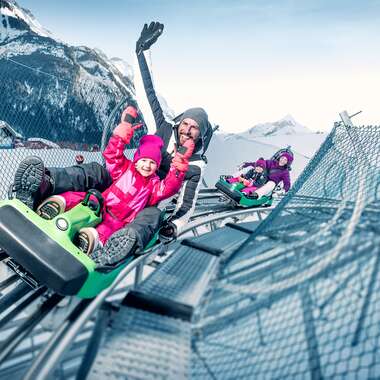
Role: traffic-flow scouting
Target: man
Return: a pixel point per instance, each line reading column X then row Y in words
column 33, row 182
column 193, row 124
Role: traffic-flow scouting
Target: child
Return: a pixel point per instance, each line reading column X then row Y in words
column 134, row 185
column 278, row 171
column 254, row 178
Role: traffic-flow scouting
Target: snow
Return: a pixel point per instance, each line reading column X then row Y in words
column 117, row 78
column 16, row 48
column 6, row 31
column 44, row 141
column 89, row 64
column 304, row 144
column 123, row 67
column 27, row 17
column 227, row 152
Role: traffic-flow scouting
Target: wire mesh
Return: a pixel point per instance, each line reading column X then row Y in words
column 300, row 298
column 55, row 117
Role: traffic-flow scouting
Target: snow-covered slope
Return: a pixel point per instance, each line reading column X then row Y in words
column 224, row 155
column 304, row 144
column 227, row 151
column 17, row 20
column 124, row 67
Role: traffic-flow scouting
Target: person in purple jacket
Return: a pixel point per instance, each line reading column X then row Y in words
column 278, row 171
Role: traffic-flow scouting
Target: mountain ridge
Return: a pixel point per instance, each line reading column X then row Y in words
column 285, row 126
column 73, row 88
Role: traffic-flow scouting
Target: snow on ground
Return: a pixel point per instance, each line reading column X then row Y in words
column 304, row 144
column 225, row 153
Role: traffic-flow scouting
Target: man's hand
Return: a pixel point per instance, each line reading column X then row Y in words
column 149, row 36
column 129, row 115
column 182, row 154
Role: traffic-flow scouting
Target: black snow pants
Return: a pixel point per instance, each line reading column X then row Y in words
column 79, row 178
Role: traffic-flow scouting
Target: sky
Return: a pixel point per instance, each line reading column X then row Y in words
column 244, row 61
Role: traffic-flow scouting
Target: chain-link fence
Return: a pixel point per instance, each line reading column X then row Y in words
column 301, row 297
column 54, row 117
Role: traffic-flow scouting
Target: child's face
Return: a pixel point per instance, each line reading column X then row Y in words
column 146, row 166
column 282, row 161
column 259, row 169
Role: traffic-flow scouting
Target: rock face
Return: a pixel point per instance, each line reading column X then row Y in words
column 52, row 90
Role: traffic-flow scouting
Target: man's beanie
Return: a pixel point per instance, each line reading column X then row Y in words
column 199, row 115
column 150, row 147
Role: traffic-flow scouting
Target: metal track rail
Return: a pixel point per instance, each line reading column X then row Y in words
column 9, row 281
column 14, row 295
column 62, row 339
column 49, row 357
column 22, row 306
column 11, row 343
column 224, row 215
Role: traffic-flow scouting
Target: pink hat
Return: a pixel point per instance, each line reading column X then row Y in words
column 150, row 147
column 288, row 156
column 261, row 163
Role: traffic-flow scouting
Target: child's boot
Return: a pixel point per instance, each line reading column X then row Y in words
column 31, row 181
column 51, row 207
column 88, row 240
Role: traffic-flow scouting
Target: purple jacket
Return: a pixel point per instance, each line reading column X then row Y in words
column 278, row 173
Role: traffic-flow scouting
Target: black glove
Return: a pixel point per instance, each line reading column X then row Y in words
column 168, row 231
column 149, row 36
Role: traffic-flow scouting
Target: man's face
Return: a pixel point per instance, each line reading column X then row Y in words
column 188, row 129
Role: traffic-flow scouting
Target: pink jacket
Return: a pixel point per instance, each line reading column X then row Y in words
column 130, row 192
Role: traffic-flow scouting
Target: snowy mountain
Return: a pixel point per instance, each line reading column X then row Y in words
column 284, row 126
column 17, row 21
column 51, row 89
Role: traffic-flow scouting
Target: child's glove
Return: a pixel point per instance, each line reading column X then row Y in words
column 182, row 154
column 126, row 128
column 246, row 182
